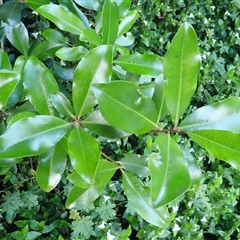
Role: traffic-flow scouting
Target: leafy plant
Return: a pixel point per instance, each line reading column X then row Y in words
column 64, row 116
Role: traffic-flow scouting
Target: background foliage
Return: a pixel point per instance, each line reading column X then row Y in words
column 210, row 211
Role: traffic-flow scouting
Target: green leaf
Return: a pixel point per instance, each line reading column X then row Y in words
column 54, row 36
column 90, row 35
column 77, row 180
column 169, row 171
column 75, row 10
column 35, row 4
column 32, row 136
column 136, row 164
column 62, row 104
column 8, row 83
column 39, row 84
column 81, row 198
column 18, row 37
column 62, row 18
column 95, row 67
column 181, row 67
column 223, row 115
column 20, row 116
column 104, row 173
column 71, row 54
column 93, row 4
column 84, row 153
column 106, row 210
column 97, row 124
column 126, row 40
column 127, row 22
column 123, row 106
column 10, row 12
column 4, row 61
column 110, row 20
column 140, row 200
column 146, row 64
column 123, row 6
column 51, row 167
column 223, row 145
column 158, row 97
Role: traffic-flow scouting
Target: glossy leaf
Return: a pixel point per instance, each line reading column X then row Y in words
column 93, row 4
column 10, row 12
column 181, row 67
column 140, row 200
column 51, row 166
column 62, row 18
column 62, row 72
column 62, row 104
column 71, row 54
column 20, row 116
column 39, row 84
column 223, row 115
column 169, row 171
column 84, row 153
column 81, row 198
column 110, row 20
column 136, row 164
column 123, row 106
column 4, row 61
column 146, row 64
column 158, row 97
column 75, row 10
column 123, row 6
column 90, row 35
column 77, row 180
column 18, row 37
column 127, row 22
column 8, row 83
column 35, row 4
column 54, row 36
column 32, row 136
column 95, row 67
column 97, row 124
column 223, row 145
column 126, row 40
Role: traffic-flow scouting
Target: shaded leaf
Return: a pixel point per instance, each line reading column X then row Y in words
column 146, row 64
column 35, row 4
column 54, row 36
column 123, row 106
column 140, row 200
column 10, row 12
column 169, row 171
column 181, row 67
column 95, row 67
column 77, row 180
column 32, row 136
column 91, row 36
column 223, row 115
column 223, row 145
column 93, row 4
column 84, row 153
column 71, row 54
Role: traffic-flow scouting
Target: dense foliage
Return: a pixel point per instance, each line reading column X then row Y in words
column 109, row 122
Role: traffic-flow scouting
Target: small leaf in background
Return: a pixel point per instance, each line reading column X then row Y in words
column 18, row 37
column 51, row 166
column 62, row 18
column 223, row 115
column 138, row 197
column 39, row 84
column 181, row 67
column 95, row 67
column 90, row 35
column 54, row 36
column 93, row 4
column 10, row 12
column 136, row 164
column 81, row 198
column 71, row 54
column 223, row 145
column 97, row 124
column 8, row 83
column 169, row 171
column 127, row 22
column 4, row 61
column 110, row 20
column 123, row 106
column 62, row 104
column 84, row 153
column 32, row 136
column 146, row 64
